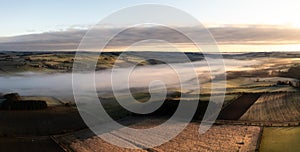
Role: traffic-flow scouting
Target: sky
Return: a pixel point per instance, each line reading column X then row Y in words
column 33, row 18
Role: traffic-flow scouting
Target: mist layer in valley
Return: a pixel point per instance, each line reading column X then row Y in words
column 30, row 81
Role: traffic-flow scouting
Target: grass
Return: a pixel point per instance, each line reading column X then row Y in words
column 249, row 85
column 227, row 98
column 243, row 82
column 280, row 139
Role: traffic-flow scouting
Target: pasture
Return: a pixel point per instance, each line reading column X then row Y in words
column 280, row 139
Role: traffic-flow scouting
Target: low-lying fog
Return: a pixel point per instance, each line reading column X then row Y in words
column 60, row 85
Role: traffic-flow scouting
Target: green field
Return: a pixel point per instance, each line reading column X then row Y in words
column 280, row 139
column 249, row 85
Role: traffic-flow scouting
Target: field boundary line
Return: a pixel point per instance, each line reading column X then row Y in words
column 259, row 140
column 62, row 146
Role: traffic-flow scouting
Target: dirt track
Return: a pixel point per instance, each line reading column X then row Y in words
column 237, row 108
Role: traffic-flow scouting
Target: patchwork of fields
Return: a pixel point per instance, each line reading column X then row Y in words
column 49, row 125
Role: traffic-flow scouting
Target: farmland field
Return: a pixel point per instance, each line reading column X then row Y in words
column 218, row 138
column 280, row 139
column 281, row 107
column 237, row 108
column 250, row 85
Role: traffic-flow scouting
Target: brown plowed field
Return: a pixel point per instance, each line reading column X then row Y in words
column 237, row 108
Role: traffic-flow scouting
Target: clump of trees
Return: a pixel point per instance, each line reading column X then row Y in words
column 293, row 72
column 13, row 101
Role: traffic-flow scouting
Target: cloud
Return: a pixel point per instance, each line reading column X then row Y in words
column 229, row 34
column 256, row 35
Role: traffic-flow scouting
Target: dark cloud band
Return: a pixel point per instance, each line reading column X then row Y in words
column 70, row 39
